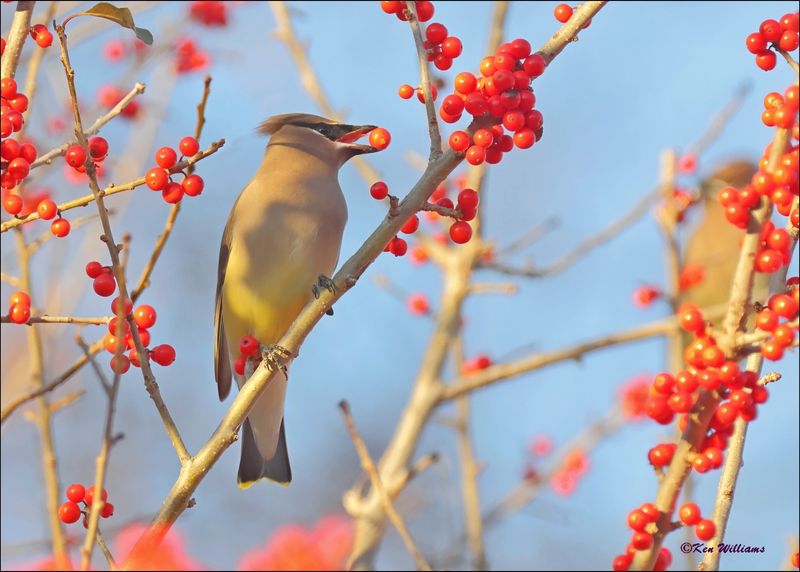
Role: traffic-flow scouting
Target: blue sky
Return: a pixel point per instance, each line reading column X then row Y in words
column 643, row 77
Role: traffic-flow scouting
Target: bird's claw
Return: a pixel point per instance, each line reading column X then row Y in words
column 323, row 282
column 275, row 357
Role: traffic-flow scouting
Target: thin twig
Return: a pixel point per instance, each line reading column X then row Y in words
column 190, row 476
column 44, row 319
column 43, row 416
column 502, row 371
column 310, row 81
column 101, row 542
column 789, row 59
column 32, row 73
column 369, row 466
column 738, row 307
column 47, row 158
column 425, row 81
column 149, row 378
column 12, row 281
column 101, row 376
column 17, row 34
column 113, row 189
column 588, row 244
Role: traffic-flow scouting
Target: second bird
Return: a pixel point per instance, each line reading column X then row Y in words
column 283, row 232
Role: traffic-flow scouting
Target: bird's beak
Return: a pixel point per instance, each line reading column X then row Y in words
column 354, row 133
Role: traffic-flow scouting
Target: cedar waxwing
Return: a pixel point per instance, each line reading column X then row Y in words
column 715, row 242
column 283, row 234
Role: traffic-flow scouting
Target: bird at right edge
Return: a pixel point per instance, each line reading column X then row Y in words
column 280, row 244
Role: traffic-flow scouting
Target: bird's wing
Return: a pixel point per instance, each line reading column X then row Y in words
column 222, row 361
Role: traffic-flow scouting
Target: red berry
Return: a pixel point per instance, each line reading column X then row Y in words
column 398, row 246
column 60, row 227
column 421, row 93
column 8, row 87
column 405, row 91
column 76, row 492
column 622, row 563
column 424, row 10
column 642, row 540
column 460, row 232
column 534, row 65
column 120, row 364
column 248, row 346
column 108, row 508
column 392, row 7
column 770, row 30
column 459, row 141
column 115, row 306
column 436, row 33
column 19, row 313
column 766, row 60
column 12, row 204
column 483, row 137
column 193, row 185
column 783, row 305
column 189, row 146
column 705, row 529
column 755, row 43
column 563, row 13
column 46, row 209
column 465, row 83
column 69, row 512
column 520, row 48
column 41, row 35
column 239, row 364
column 380, row 138
column 98, row 148
column 451, row 47
column 411, row 225
column 172, row 193
column 379, row 190
column 104, row 285
column 418, row 304
column 789, row 41
column 468, row 199
column 166, row 157
column 689, row 514
column 476, row 155
column 145, row 316
column 514, row 120
column 19, row 168
column 790, row 21
column 453, row 105
column 524, row 138
column 90, row 495
column 163, row 355
column 75, row 156
column 637, row 520
column 20, row 297
column 156, row 178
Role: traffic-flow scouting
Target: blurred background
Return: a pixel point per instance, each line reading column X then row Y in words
column 643, row 77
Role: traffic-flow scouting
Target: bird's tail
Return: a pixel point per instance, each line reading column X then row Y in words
column 254, row 467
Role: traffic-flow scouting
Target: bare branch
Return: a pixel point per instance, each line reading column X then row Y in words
column 369, row 466
column 425, row 77
column 17, row 34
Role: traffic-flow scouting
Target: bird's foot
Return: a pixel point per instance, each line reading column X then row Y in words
column 275, row 357
column 323, row 282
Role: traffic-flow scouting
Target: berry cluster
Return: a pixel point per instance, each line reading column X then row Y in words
column 423, row 7
column 773, row 34
column 640, row 520
column 70, row 511
column 109, row 95
column 159, row 178
column 779, row 186
column 19, row 307
column 209, row 13
column 781, row 110
column 769, row 320
column 248, row 347
column 144, row 317
column 188, row 57
column 504, row 93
